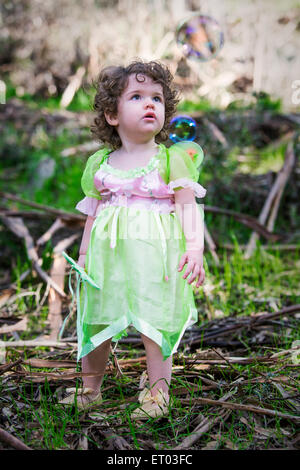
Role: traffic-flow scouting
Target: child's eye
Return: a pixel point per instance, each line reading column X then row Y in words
column 157, row 98
column 135, row 96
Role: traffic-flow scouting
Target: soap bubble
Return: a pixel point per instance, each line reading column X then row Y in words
column 182, row 128
column 200, row 36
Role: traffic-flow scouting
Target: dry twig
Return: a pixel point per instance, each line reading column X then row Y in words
column 12, row 441
column 238, row 406
column 17, row 226
column 273, row 198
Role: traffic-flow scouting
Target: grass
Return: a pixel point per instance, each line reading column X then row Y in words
column 48, row 422
column 240, row 286
column 33, row 414
column 55, row 427
column 82, row 101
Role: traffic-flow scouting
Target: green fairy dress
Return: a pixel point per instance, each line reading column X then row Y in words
column 135, row 246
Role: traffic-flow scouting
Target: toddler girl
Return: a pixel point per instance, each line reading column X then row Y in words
column 143, row 227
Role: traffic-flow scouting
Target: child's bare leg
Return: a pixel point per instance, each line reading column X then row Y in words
column 96, row 362
column 159, row 371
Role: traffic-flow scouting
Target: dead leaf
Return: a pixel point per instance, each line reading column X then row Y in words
column 230, row 445
column 244, row 421
column 211, row 445
column 5, row 295
column 201, row 366
column 46, row 363
column 143, row 380
column 265, row 432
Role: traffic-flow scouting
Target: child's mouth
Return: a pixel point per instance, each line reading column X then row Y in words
column 149, row 117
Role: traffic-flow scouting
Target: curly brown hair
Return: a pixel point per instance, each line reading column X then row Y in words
column 111, row 83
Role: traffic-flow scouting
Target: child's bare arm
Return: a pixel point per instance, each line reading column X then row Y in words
column 85, row 240
column 193, row 227
column 86, row 235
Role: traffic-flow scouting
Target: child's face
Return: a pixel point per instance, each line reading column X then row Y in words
column 141, row 110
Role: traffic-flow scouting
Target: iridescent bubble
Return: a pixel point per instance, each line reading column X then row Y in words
column 182, row 128
column 200, row 36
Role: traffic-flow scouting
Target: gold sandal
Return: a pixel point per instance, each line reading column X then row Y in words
column 83, row 399
column 152, row 407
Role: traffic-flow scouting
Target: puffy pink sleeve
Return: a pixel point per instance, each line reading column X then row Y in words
column 180, row 183
column 185, row 161
column 88, row 206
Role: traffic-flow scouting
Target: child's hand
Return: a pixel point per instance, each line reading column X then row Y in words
column 194, row 260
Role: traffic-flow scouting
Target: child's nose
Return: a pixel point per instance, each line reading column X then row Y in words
column 149, row 103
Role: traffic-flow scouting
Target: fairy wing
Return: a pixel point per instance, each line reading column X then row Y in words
column 80, row 270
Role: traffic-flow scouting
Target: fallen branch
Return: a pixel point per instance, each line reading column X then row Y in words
column 238, row 406
column 34, row 362
column 247, row 323
column 27, row 214
column 12, row 441
column 205, row 425
column 35, row 343
column 63, row 375
column 213, row 334
column 244, row 219
column 273, row 198
column 7, row 367
column 47, row 209
column 283, row 247
column 74, row 85
column 54, row 316
column 19, row 326
column 284, row 311
column 232, row 360
column 17, row 226
column 57, row 225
